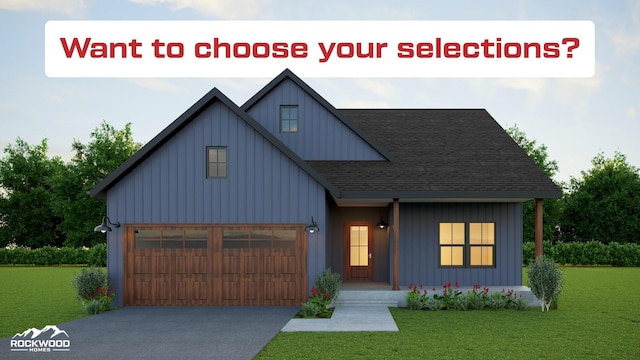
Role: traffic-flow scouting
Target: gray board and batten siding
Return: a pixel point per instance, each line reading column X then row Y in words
column 419, row 243
column 170, row 186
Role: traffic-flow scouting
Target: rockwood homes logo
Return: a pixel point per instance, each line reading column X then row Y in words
column 48, row 339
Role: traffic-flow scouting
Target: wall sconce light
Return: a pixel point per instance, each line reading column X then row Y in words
column 313, row 227
column 104, row 227
column 382, row 224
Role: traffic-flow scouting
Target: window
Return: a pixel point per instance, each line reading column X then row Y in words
column 258, row 239
column 463, row 245
column 216, row 162
column 288, row 118
column 481, row 244
column 170, row 238
column 451, row 244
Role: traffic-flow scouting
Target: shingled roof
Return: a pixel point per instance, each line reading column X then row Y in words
column 440, row 154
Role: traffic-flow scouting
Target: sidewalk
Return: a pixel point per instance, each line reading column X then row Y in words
column 347, row 318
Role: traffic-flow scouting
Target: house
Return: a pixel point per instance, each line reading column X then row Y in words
column 215, row 209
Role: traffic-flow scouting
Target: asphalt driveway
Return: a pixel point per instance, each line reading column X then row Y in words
column 167, row 333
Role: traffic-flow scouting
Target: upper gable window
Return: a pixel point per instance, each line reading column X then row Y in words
column 216, row 162
column 289, row 118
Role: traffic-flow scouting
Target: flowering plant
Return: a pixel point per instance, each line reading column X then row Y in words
column 416, row 299
column 99, row 301
column 452, row 298
column 318, row 304
column 447, row 299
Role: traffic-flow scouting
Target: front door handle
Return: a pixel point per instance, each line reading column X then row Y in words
column 369, row 255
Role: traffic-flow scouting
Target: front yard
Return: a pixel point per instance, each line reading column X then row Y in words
column 598, row 317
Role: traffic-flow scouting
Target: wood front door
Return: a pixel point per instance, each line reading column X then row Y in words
column 359, row 252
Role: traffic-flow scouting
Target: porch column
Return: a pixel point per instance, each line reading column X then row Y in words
column 538, row 227
column 396, row 244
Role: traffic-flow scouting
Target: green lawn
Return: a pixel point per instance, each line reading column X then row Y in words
column 598, row 318
column 37, row 296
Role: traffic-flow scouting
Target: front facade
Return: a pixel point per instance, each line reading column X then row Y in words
column 214, row 208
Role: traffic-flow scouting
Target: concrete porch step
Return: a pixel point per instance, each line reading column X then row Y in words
column 369, row 298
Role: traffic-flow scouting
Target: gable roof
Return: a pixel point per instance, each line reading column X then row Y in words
column 288, row 74
column 443, row 154
column 100, row 190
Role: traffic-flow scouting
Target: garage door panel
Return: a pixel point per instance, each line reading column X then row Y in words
column 181, row 264
column 200, row 264
column 161, row 290
column 162, row 264
column 230, row 261
column 288, row 264
column 250, row 264
column 142, row 289
column 141, row 264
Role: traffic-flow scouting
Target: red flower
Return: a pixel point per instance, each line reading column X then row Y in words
column 111, row 288
column 314, row 291
column 457, row 285
column 434, row 289
column 86, row 296
column 425, row 292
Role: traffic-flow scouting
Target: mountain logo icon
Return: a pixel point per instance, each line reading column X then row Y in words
column 33, row 333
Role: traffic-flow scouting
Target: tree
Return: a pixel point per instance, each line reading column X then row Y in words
column 551, row 207
column 92, row 162
column 26, row 196
column 604, row 204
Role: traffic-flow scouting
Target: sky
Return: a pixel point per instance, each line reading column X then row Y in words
column 576, row 118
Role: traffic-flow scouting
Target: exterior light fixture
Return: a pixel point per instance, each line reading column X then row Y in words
column 313, row 227
column 104, row 227
column 382, row 224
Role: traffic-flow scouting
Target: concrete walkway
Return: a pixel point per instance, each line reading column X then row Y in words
column 348, row 318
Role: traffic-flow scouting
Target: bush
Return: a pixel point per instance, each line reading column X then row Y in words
column 545, row 280
column 309, row 309
column 47, row 255
column 92, row 291
column 588, row 253
column 328, row 280
column 89, row 281
column 97, row 255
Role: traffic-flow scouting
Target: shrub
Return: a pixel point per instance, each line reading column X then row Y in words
column 588, row 253
column 89, row 281
column 97, row 255
column 309, row 309
column 47, row 255
column 545, row 280
column 329, row 281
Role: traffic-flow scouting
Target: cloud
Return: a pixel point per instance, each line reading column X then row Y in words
column 626, row 38
column 536, row 87
column 228, row 9
column 61, row 6
column 631, row 112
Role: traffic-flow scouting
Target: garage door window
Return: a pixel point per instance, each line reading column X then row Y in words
column 258, row 239
column 170, row 239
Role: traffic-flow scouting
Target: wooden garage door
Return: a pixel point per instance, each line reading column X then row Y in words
column 215, row 265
